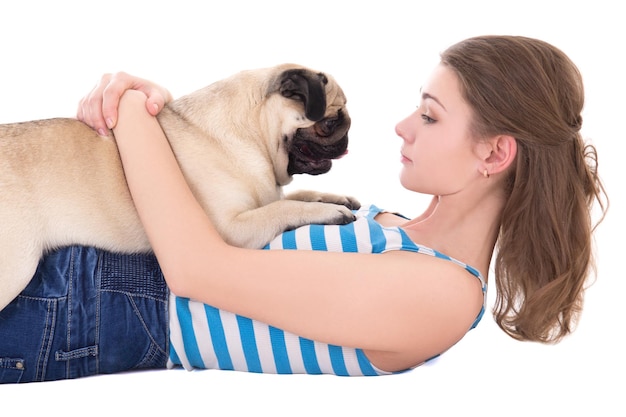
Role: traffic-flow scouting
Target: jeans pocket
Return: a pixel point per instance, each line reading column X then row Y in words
column 11, row 370
column 27, row 329
column 133, row 333
column 154, row 358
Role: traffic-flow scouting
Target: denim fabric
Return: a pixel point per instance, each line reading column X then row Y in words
column 86, row 312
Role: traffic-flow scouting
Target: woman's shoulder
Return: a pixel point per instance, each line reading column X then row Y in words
column 440, row 303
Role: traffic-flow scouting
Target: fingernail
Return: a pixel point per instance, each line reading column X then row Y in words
column 156, row 107
column 102, row 132
column 109, row 123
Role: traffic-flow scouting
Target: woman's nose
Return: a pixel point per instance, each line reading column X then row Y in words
column 405, row 129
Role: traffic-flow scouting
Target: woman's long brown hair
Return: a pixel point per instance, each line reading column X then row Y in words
column 531, row 90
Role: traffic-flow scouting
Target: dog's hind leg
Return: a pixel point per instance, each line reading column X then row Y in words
column 18, row 263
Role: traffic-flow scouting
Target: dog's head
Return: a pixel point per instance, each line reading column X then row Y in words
column 322, row 134
column 298, row 116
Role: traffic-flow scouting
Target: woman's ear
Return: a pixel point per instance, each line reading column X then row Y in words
column 498, row 153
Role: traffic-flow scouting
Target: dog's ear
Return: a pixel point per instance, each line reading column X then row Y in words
column 308, row 87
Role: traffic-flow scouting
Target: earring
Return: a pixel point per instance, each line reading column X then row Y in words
column 485, row 173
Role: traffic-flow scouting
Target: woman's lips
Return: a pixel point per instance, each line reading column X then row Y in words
column 404, row 159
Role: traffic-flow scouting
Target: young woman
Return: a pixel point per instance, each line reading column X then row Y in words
column 495, row 140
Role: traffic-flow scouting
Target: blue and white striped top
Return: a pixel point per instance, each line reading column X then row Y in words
column 205, row 337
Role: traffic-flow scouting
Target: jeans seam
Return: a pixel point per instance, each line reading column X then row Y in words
column 43, row 344
column 46, row 346
column 70, row 306
column 30, row 297
column 98, row 285
column 134, row 295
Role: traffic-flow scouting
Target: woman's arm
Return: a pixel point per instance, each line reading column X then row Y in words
column 399, row 306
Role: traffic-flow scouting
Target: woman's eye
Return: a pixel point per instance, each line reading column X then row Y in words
column 428, row 119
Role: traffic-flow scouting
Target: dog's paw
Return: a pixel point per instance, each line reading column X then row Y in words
column 337, row 214
column 346, row 201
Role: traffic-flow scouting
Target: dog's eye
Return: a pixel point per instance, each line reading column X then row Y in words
column 327, row 126
column 331, row 123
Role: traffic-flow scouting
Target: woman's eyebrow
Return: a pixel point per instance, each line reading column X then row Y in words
column 435, row 99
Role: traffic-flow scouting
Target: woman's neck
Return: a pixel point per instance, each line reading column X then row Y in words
column 460, row 227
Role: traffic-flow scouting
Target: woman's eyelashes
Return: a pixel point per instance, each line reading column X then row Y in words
column 427, row 119
column 423, row 111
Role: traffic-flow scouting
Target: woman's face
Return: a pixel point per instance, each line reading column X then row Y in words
column 437, row 150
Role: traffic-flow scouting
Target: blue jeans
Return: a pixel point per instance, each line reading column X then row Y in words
column 86, row 312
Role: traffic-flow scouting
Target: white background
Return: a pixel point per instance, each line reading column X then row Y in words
column 52, row 53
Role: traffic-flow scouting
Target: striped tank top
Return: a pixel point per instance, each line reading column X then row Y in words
column 204, row 337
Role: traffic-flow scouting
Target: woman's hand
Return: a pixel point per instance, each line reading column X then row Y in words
column 99, row 108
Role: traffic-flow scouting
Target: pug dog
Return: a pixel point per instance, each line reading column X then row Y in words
column 238, row 141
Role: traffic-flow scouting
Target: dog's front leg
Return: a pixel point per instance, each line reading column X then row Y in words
column 316, row 196
column 257, row 227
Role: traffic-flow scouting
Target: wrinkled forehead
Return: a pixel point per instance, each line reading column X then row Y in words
column 334, row 93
